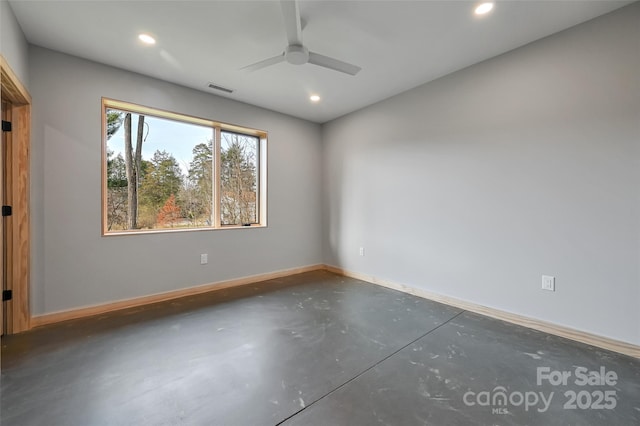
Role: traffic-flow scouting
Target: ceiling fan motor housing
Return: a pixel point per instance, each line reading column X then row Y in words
column 296, row 54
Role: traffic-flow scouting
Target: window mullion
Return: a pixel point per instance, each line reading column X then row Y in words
column 216, row 177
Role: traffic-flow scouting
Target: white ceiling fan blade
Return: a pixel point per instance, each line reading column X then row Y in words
column 334, row 64
column 263, row 64
column 292, row 25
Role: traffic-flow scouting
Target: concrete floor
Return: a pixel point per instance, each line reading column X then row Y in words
column 311, row 349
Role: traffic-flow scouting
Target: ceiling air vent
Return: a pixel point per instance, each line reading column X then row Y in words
column 222, row 89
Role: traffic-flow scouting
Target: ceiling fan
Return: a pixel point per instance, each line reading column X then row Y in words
column 296, row 53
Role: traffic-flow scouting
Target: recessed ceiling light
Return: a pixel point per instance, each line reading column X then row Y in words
column 484, row 8
column 314, row 98
column 147, row 39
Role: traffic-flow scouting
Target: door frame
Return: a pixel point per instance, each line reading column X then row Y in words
column 13, row 91
column 6, row 112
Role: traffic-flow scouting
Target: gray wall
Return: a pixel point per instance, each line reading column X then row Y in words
column 478, row 183
column 74, row 266
column 471, row 186
column 13, row 45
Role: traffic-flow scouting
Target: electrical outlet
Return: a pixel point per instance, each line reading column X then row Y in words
column 204, row 259
column 361, row 251
column 548, row 283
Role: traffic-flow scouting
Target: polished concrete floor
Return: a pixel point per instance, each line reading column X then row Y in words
column 311, row 349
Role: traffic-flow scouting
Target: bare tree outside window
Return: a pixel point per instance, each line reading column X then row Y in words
column 238, row 179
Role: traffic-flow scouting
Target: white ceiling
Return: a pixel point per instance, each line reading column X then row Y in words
column 398, row 44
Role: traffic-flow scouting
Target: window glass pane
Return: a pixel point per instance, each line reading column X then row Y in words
column 238, row 178
column 168, row 171
column 159, row 173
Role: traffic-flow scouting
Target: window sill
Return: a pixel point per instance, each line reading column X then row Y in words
column 170, row 230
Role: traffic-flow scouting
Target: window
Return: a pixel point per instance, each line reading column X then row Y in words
column 166, row 171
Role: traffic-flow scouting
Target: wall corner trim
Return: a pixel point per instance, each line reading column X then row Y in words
column 535, row 324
